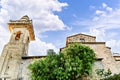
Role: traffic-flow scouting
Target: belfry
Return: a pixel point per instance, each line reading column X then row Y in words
column 21, row 34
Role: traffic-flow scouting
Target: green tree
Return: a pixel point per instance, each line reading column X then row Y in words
column 73, row 62
column 80, row 59
column 103, row 74
column 50, row 52
column 113, row 77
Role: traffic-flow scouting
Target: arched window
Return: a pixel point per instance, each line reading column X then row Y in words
column 82, row 40
column 17, row 37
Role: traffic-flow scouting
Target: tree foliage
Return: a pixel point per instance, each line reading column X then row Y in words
column 73, row 62
column 114, row 77
column 103, row 74
column 50, row 52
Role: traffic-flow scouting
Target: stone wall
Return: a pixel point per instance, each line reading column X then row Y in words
column 100, row 49
column 79, row 37
column 10, row 60
column 108, row 60
column 24, row 72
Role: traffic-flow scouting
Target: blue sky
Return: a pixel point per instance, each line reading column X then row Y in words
column 54, row 20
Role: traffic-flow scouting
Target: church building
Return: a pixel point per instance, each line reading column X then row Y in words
column 105, row 59
column 14, row 59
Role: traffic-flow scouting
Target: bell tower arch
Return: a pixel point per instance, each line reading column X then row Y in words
column 21, row 34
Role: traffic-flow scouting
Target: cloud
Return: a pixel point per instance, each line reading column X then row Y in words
column 115, row 44
column 42, row 14
column 99, row 12
column 3, row 37
column 40, row 48
column 103, row 25
column 104, row 5
column 106, row 20
column 99, row 33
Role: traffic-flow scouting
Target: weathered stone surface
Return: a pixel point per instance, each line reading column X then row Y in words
column 13, row 66
column 108, row 60
column 81, row 37
column 11, row 57
column 24, row 72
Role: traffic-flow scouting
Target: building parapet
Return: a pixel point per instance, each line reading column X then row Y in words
column 32, row 57
column 117, row 57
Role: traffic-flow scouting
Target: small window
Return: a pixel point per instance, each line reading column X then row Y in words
column 82, row 40
column 28, row 39
column 20, row 79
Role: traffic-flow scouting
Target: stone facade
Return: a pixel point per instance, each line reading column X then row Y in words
column 14, row 59
column 80, row 38
column 108, row 61
column 24, row 73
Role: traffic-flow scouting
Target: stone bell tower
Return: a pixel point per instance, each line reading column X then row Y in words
column 21, row 34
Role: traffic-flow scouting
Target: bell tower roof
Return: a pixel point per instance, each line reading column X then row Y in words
column 24, row 18
column 23, row 22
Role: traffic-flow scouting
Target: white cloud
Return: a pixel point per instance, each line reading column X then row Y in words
column 4, row 34
column 40, row 48
column 104, row 5
column 108, row 21
column 103, row 25
column 99, row 12
column 106, row 10
column 115, row 44
column 40, row 11
column 95, row 18
column 109, row 9
column 99, row 33
column 105, row 21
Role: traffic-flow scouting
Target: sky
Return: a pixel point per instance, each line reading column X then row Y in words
column 54, row 20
